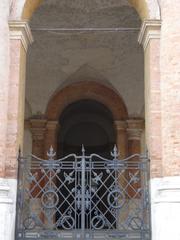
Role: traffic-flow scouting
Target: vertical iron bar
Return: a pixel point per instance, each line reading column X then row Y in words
column 83, row 192
column 75, row 193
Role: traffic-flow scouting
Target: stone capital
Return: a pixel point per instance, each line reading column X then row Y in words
column 38, row 128
column 150, row 29
column 52, row 125
column 135, row 128
column 120, row 125
column 20, row 30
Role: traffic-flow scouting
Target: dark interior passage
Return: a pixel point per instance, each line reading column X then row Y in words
column 86, row 122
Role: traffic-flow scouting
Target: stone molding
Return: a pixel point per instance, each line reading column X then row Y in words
column 8, row 193
column 135, row 128
column 52, row 125
column 20, row 30
column 120, row 125
column 4, row 192
column 166, row 190
column 150, row 29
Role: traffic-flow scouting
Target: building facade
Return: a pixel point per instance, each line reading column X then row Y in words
column 98, row 73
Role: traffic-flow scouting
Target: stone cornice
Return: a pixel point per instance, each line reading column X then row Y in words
column 20, row 30
column 135, row 128
column 150, row 29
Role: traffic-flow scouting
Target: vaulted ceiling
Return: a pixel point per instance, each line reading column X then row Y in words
column 57, row 57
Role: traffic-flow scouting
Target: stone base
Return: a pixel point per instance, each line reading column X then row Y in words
column 8, row 189
column 165, row 208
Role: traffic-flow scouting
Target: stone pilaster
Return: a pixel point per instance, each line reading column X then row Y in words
column 121, row 138
column 134, row 130
column 20, row 38
column 38, row 130
column 149, row 37
column 15, row 38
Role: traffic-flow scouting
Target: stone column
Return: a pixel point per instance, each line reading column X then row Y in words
column 166, row 190
column 20, row 38
column 121, row 138
column 51, row 136
column 134, row 129
column 13, row 46
column 38, row 130
column 149, row 37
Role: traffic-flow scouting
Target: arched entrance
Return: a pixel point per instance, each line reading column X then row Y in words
column 86, row 122
column 62, row 105
column 30, row 5
column 96, row 106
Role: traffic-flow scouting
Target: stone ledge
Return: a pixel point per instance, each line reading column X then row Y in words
column 165, row 190
column 20, row 30
column 150, row 29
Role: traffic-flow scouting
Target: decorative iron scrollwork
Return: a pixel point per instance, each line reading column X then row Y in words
column 98, row 222
column 79, row 193
column 29, row 223
column 97, row 178
column 136, row 223
column 68, row 222
column 116, row 199
column 68, row 177
column 134, row 178
column 49, row 199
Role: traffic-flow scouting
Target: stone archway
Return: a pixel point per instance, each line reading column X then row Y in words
column 86, row 90
column 142, row 9
column 145, row 8
column 128, row 132
column 150, row 30
column 44, row 131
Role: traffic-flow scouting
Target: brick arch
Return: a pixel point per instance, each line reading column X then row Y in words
column 86, row 90
column 144, row 8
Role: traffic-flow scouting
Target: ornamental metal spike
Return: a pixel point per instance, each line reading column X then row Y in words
column 51, row 153
column 83, row 150
column 115, row 153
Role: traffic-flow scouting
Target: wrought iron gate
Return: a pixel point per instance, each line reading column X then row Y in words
column 83, row 197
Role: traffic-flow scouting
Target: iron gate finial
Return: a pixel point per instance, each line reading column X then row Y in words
column 51, row 153
column 83, row 150
column 115, row 153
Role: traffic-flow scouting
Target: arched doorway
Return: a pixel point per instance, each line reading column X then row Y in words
column 93, row 104
column 86, row 122
column 62, row 105
column 90, row 123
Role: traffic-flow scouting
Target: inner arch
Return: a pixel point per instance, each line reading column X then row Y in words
column 30, row 6
column 86, row 122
